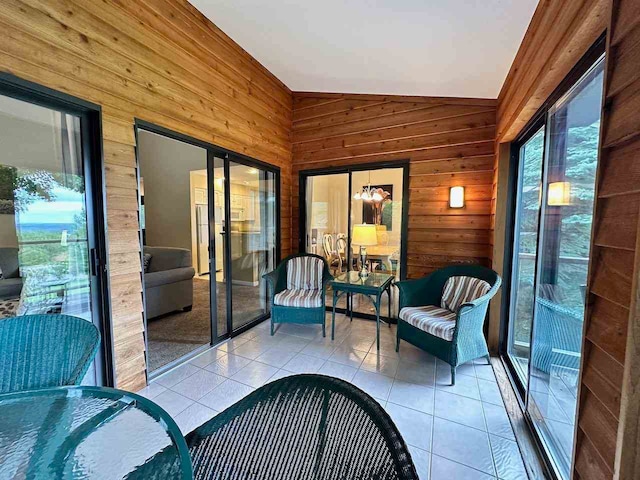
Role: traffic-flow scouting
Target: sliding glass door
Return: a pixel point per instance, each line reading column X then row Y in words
column 50, row 249
column 524, row 259
column 327, row 222
column 252, row 240
column 555, row 195
column 209, row 227
column 332, row 204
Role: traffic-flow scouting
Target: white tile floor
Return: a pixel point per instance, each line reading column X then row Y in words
column 460, row 432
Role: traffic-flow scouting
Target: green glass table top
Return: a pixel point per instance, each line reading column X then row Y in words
column 374, row 281
column 89, row 432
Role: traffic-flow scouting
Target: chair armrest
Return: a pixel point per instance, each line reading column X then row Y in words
column 274, row 279
column 417, row 292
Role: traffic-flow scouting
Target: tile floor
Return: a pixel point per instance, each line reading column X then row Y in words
column 460, row 432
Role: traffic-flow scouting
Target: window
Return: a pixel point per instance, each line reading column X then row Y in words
column 554, row 200
column 50, row 236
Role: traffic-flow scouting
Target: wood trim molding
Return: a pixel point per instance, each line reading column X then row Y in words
column 499, row 238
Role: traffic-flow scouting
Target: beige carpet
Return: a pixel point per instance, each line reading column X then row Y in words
column 176, row 334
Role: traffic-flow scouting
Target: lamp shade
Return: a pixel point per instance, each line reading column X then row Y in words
column 559, row 194
column 364, row 235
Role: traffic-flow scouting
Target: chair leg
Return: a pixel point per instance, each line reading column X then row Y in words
column 397, row 343
column 453, row 376
column 488, row 357
column 272, row 327
column 323, row 331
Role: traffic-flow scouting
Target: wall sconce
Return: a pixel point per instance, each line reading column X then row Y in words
column 559, row 194
column 456, row 197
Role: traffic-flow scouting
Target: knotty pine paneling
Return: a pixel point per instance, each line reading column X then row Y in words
column 609, row 403
column 163, row 62
column 449, row 141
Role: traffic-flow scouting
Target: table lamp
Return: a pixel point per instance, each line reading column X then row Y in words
column 364, row 235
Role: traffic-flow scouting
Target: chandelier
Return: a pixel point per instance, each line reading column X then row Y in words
column 371, row 194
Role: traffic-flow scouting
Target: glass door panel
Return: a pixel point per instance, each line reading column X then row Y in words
column 524, row 257
column 44, row 240
column 386, row 213
column 219, row 267
column 251, row 236
column 563, row 260
column 175, row 232
column 327, row 229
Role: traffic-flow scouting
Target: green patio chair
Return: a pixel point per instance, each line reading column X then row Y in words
column 558, row 336
column 38, row 351
column 444, row 313
column 298, row 428
column 298, row 287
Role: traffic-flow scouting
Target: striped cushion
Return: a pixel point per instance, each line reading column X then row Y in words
column 304, row 273
column 459, row 290
column 299, row 298
column 434, row 320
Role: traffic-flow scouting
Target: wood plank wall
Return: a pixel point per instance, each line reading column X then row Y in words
column 608, row 435
column 449, row 141
column 163, row 62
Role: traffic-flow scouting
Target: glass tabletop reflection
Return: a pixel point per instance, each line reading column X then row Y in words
column 89, row 432
column 353, row 278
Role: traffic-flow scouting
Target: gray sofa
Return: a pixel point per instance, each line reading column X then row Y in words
column 168, row 281
column 10, row 283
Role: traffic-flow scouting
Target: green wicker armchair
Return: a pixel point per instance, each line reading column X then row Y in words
column 301, row 427
column 558, row 334
column 446, row 318
column 38, row 351
column 297, row 288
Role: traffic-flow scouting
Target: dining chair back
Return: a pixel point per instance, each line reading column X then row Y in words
column 38, row 351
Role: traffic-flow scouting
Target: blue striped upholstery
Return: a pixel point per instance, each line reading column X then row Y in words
column 304, row 273
column 299, row 298
column 460, row 289
column 434, row 320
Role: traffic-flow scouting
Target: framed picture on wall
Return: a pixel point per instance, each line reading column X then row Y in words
column 379, row 213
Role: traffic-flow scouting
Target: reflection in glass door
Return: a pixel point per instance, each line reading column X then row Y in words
column 327, row 222
column 48, row 240
column 524, row 258
column 573, row 127
column 552, row 238
column 251, row 239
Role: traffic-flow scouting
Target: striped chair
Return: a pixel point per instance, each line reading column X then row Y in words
column 298, row 290
column 444, row 313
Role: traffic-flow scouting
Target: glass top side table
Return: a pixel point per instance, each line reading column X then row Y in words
column 89, row 432
column 372, row 287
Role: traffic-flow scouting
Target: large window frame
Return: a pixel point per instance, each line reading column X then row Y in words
column 213, row 152
column 90, row 116
column 538, row 121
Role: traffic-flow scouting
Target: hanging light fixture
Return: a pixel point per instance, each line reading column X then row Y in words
column 368, row 194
